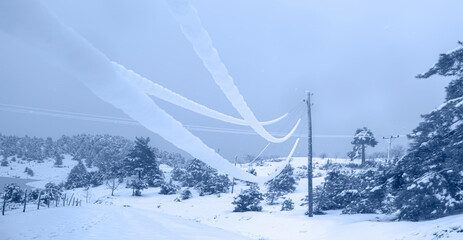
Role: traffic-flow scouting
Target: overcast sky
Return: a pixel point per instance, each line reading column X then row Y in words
column 359, row 58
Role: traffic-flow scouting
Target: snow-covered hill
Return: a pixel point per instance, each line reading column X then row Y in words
column 44, row 172
column 125, row 217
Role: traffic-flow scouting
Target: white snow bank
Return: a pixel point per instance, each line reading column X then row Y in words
column 193, row 30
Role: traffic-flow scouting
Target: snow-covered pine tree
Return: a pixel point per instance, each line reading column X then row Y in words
column 198, row 172
column 141, row 161
column 77, row 177
column 213, row 183
column 283, row 184
column 49, row 148
column 58, row 160
column 248, row 200
column 429, row 178
column 287, row 205
column 363, row 138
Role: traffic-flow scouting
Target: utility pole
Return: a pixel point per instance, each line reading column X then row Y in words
column 389, row 141
column 309, row 155
column 233, row 182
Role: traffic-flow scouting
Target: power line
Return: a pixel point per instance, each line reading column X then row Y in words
column 128, row 121
column 389, row 141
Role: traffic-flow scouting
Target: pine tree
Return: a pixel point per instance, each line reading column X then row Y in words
column 283, row 184
column 248, row 200
column 58, row 160
column 287, row 205
column 363, row 138
column 141, row 161
column 428, row 179
column 48, row 148
column 198, row 172
column 77, row 177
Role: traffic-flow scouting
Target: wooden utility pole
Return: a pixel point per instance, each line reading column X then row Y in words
column 389, row 141
column 309, row 155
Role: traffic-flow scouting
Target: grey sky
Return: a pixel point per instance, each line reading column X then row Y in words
column 358, row 57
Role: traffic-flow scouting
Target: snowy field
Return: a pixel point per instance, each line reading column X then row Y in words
column 155, row 216
column 43, row 172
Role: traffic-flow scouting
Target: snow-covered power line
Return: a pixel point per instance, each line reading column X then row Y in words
column 168, row 95
column 128, row 121
column 30, row 22
column 194, row 31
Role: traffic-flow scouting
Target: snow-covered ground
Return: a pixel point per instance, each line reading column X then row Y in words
column 43, row 172
column 104, row 222
column 155, row 216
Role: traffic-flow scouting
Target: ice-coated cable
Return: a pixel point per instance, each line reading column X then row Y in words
column 193, row 30
column 30, row 22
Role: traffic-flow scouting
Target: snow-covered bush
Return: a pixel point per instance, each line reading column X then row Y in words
column 213, row 184
column 13, row 193
column 29, row 171
column 353, row 192
column 248, row 200
column 186, row 194
column 287, row 205
column 4, row 163
column 52, row 192
column 168, row 189
column 33, row 194
column 201, row 177
column 137, row 185
column 179, row 175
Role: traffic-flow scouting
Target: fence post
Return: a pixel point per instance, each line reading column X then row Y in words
column 4, row 204
column 25, row 200
column 64, row 200
column 70, row 199
column 38, row 202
